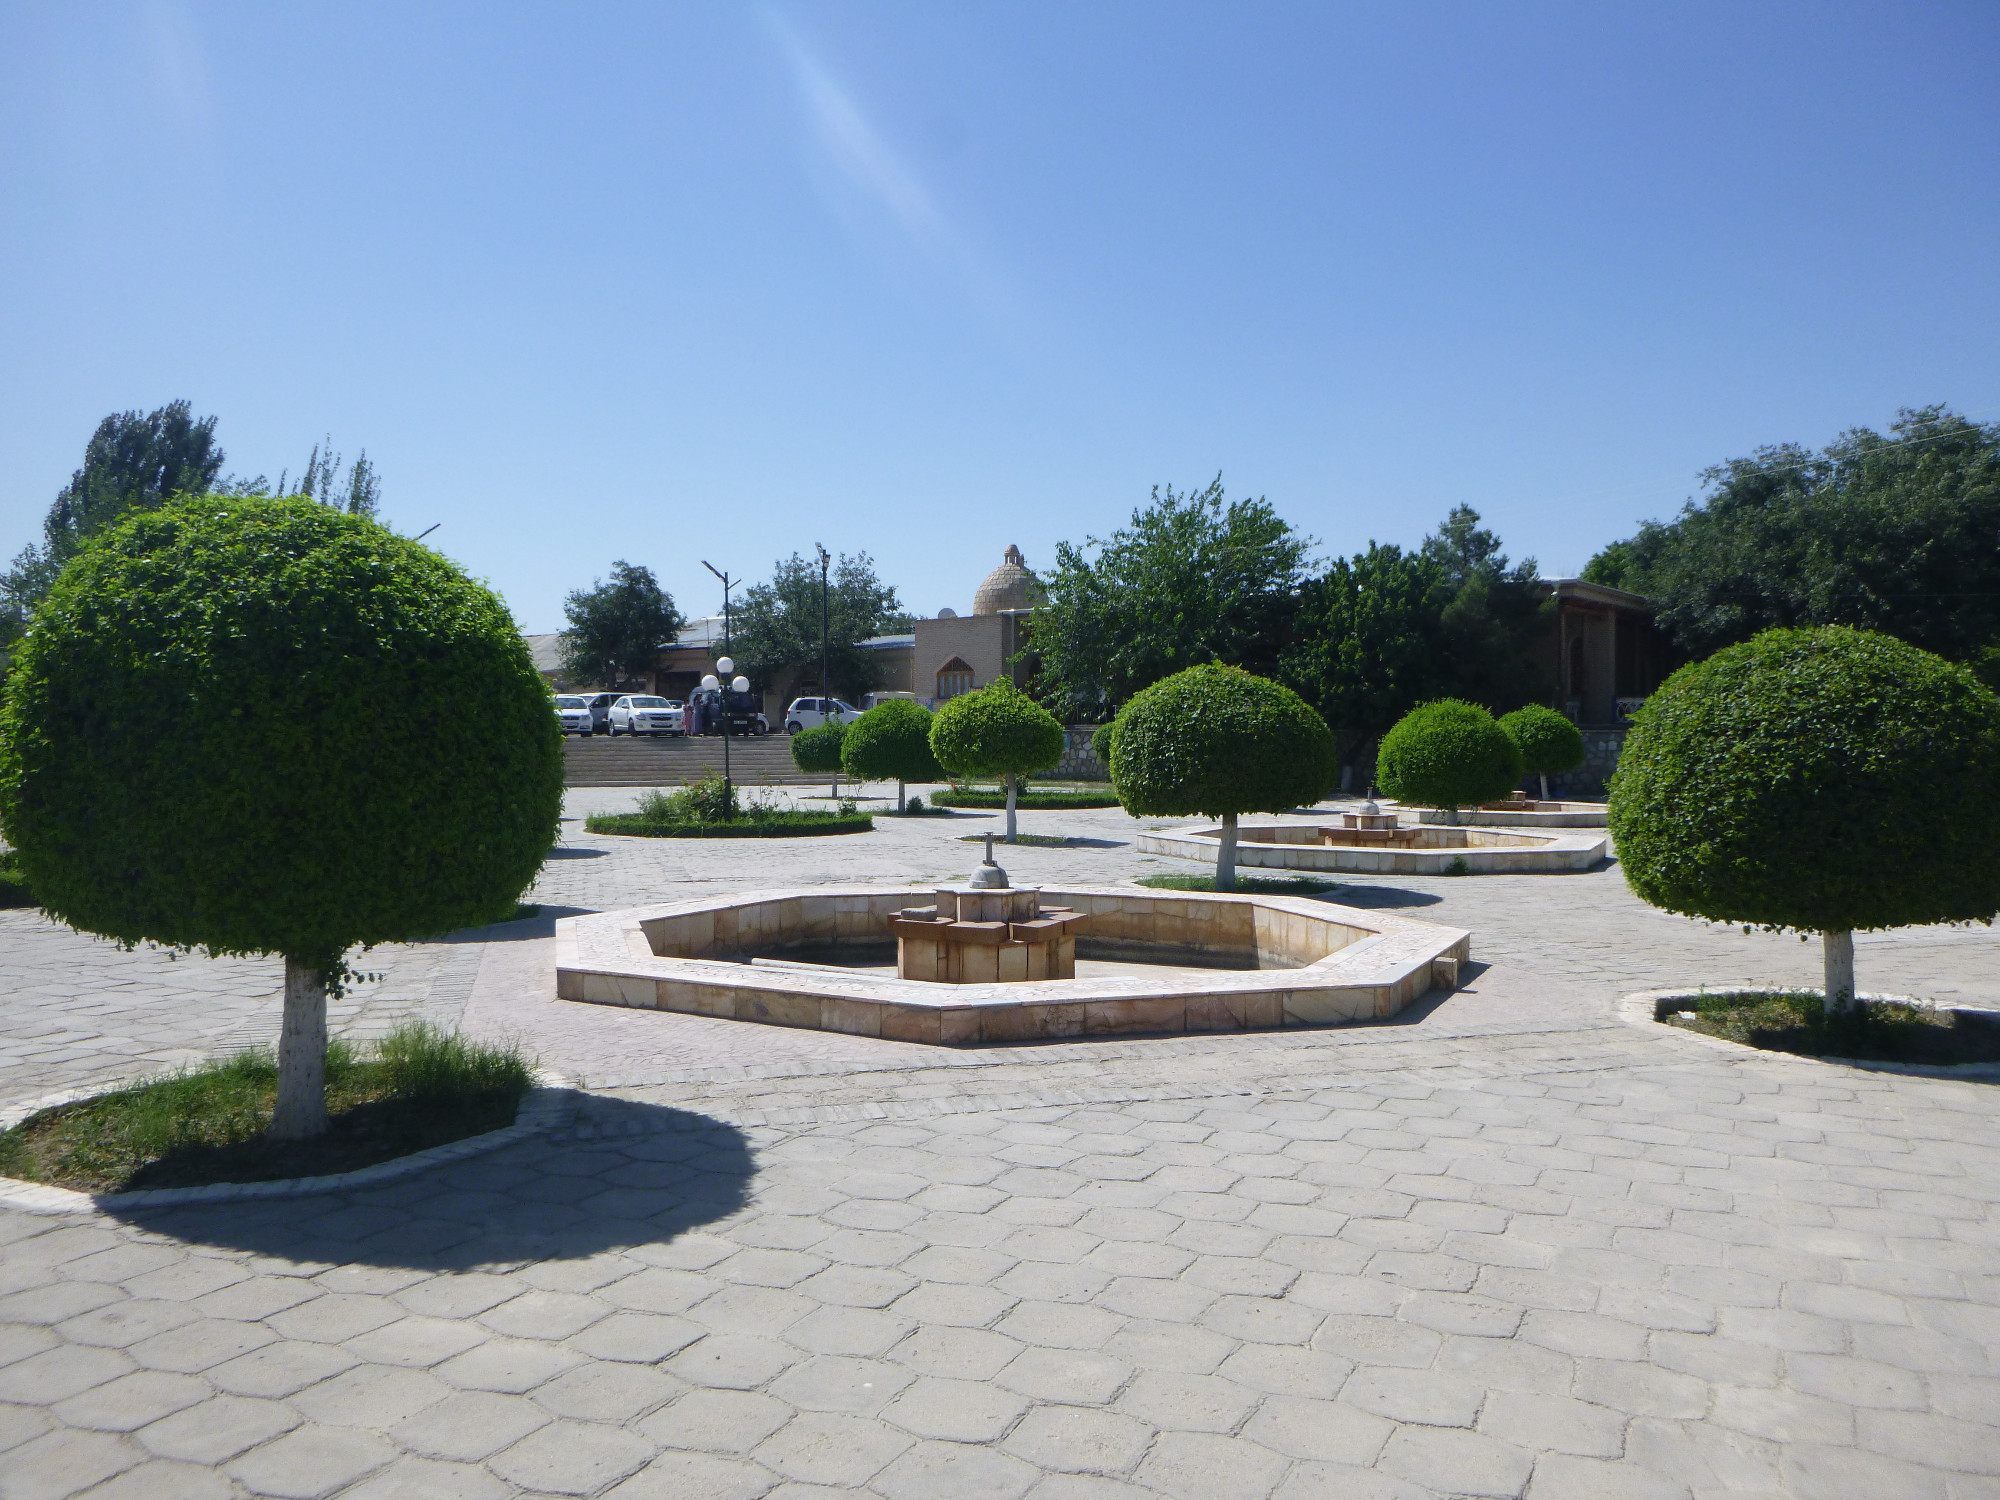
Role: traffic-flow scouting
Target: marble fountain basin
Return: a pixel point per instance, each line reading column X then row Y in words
column 1422, row 849
column 1149, row 962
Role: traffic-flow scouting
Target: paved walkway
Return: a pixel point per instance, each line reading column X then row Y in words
column 1507, row 1246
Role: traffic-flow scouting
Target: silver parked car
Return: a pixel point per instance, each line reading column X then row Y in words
column 573, row 713
column 641, row 713
column 810, row 713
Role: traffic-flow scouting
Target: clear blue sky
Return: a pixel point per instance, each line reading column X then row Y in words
column 671, row 282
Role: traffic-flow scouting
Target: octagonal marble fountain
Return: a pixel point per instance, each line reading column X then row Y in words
column 1373, row 841
column 1112, row 959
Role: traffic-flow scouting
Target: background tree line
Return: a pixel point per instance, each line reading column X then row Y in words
column 1195, row 578
column 138, row 461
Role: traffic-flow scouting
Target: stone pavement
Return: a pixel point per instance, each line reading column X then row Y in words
column 1509, row 1246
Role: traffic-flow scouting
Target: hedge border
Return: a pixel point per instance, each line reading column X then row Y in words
column 792, row 826
column 1028, row 801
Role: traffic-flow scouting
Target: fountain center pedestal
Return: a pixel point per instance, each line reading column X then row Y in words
column 986, row 931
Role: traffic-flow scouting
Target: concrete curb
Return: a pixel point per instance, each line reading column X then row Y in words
column 1643, row 1009
column 548, row 1106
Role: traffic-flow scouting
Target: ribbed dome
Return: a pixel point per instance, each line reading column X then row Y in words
column 1009, row 586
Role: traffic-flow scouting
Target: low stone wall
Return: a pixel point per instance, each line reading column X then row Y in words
column 1601, row 749
column 1079, row 761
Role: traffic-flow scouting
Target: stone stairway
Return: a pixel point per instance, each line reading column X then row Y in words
column 760, row 760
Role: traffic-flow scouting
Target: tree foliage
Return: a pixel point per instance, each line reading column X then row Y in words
column 1891, row 532
column 617, row 626
column 1370, row 642
column 1493, row 614
column 1819, row 780
column 1193, row 578
column 359, row 492
column 817, row 750
column 1216, row 740
column 777, row 626
column 133, row 461
column 997, row 730
column 1547, row 741
column 891, row 742
column 1447, row 754
column 232, row 730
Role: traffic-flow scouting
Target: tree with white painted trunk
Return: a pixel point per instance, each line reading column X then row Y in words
column 1217, row 742
column 234, row 729
column 997, row 730
column 1827, row 781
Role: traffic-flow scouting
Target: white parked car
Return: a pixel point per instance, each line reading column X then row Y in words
column 573, row 713
column 810, row 713
column 640, row 713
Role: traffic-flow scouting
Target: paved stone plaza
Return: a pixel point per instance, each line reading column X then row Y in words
column 1505, row 1245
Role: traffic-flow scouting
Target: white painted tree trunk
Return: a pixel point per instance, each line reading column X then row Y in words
column 1225, row 855
column 1013, row 785
column 301, row 1107
column 899, row 796
column 1839, row 948
column 1543, row 778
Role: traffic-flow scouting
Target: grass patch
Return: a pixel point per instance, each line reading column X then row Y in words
column 1028, row 801
column 1261, row 885
column 419, row 1087
column 1039, row 840
column 1796, row 1021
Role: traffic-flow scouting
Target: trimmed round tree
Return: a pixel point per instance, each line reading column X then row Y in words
column 240, row 726
column 1547, row 742
column 1448, row 754
column 817, row 750
column 1828, row 781
column 1102, row 738
column 1216, row 741
column 891, row 742
column 997, row 730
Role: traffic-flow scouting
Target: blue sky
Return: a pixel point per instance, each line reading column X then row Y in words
column 713, row 281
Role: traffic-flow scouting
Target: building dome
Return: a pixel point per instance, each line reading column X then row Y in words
column 1009, row 586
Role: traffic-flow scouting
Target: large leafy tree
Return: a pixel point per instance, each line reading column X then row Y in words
column 996, row 731
column 1828, row 780
column 134, row 461
column 1494, row 613
column 1369, row 642
column 1896, row 532
column 617, row 625
column 777, row 626
column 194, row 752
column 1193, row 578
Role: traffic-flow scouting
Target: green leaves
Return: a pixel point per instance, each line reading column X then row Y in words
column 616, row 628
column 1215, row 740
column 996, row 731
column 778, row 624
column 257, row 725
column 818, row 749
column 1814, row 780
column 891, row 742
column 1547, row 741
column 1448, row 754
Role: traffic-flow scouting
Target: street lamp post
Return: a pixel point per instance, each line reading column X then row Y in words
column 724, row 666
column 824, row 690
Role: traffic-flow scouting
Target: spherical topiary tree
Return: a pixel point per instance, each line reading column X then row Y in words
column 818, row 750
column 1547, row 741
column 997, row 731
column 1102, row 738
column 1825, row 781
column 1448, row 754
column 240, row 726
column 891, row 742
column 1216, row 741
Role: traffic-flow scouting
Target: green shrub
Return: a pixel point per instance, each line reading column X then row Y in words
column 1448, row 754
column 1101, row 740
column 997, row 731
column 1547, row 741
column 891, row 742
column 1029, row 800
column 13, row 884
column 709, row 799
column 817, row 750
column 1216, row 741
column 1828, row 780
column 237, row 727
column 769, row 823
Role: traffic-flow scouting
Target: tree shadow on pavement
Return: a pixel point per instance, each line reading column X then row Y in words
column 1381, row 895
column 625, row 1176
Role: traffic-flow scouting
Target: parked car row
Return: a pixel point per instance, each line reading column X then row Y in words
column 614, row 714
